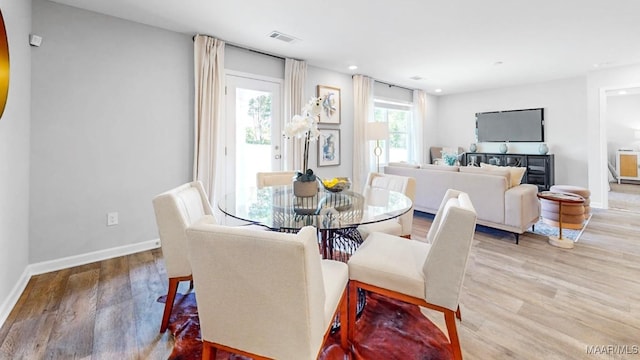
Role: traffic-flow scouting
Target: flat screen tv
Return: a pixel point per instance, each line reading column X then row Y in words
column 510, row 126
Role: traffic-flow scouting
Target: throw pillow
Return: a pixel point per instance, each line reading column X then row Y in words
column 495, row 172
column 516, row 172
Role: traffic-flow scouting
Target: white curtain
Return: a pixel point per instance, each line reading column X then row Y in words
column 208, row 159
column 363, row 113
column 418, row 120
column 295, row 73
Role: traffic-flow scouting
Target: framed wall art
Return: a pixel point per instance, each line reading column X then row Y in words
column 329, row 147
column 4, row 65
column 330, row 106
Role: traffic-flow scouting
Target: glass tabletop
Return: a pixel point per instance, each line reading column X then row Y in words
column 277, row 208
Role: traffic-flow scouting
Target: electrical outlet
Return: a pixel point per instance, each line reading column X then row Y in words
column 112, row 218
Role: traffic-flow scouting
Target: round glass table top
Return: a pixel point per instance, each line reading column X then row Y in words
column 277, row 208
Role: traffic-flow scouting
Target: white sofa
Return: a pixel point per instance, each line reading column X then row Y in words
column 498, row 204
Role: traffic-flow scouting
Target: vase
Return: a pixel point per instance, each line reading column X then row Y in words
column 503, row 148
column 305, row 188
column 543, row 149
column 473, row 147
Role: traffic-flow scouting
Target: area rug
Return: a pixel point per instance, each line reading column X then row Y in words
column 544, row 229
column 387, row 329
column 540, row 228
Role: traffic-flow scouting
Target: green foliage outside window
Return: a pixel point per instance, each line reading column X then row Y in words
column 398, row 121
column 260, row 112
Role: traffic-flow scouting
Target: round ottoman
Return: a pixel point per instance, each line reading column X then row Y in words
column 573, row 215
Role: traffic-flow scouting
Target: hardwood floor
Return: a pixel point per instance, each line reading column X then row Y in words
column 527, row 301
column 625, row 196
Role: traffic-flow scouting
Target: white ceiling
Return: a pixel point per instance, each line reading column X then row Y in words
column 452, row 44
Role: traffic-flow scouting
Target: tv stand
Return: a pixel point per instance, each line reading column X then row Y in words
column 540, row 168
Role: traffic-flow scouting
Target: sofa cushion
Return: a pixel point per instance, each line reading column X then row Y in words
column 405, row 164
column 439, row 167
column 517, row 172
column 476, row 170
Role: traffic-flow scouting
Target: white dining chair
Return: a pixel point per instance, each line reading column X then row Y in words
column 274, row 178
column 428, row 274
column 175, row 210
column 265, row 295
column 402, row 225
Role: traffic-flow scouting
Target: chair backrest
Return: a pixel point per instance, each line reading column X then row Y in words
column 263, row 291
column 402, row 184
column 451, row 236
column 274, row 178
column 175, row 210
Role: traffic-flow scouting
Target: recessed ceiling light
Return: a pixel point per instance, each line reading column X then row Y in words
column 498, row 63
column 438, row 90
column 353, row 67
column 417, row 77
column 622, row 92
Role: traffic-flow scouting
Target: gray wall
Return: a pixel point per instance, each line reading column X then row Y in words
column 111, row 128
column 14, row 153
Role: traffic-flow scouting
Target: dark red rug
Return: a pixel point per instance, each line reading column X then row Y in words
column 387, row 329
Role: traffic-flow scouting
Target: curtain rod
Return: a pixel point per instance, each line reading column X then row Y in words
column 244, row 47
column 393, row 85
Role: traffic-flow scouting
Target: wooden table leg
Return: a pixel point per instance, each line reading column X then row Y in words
column 559, row 241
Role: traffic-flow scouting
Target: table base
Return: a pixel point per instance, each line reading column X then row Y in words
column 561, row 242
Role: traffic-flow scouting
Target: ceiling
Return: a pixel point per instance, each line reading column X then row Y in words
column 453, row 45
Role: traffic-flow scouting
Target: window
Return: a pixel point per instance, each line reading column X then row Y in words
column 398, row 116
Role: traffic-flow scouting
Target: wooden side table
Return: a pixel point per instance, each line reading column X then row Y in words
column 561, row 198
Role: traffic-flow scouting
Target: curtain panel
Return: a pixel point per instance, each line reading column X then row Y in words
column 418, row 120
column 209, row 109
column 295, row 74
column 363, row 113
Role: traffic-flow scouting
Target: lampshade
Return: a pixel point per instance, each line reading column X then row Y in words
column 377, row 131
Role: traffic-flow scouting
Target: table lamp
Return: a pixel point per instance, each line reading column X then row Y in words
column 377, row 131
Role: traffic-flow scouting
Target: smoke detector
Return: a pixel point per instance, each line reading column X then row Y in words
column 283, row 37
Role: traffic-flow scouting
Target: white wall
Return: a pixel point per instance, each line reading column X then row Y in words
column 111, row 128
column 564, row 103
column 430, row 128
column 14, row 156
column 597, row 84
column 623, row 121
column 251, row 62
column 317, row 76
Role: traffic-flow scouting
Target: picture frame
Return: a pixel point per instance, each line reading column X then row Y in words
column 331, row 105
column 329, row 147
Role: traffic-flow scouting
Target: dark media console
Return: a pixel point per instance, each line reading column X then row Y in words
column 540, row 168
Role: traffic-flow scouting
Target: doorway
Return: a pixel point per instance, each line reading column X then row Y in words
column 622, row 114
column 254, row 128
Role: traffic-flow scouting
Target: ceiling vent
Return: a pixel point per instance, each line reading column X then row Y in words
column 283, row 37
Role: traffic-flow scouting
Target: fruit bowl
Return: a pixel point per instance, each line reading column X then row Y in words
column 336, row 184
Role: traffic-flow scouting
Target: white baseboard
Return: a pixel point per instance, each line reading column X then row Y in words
column 82, row 259
column 67, row 262
column 14, row 295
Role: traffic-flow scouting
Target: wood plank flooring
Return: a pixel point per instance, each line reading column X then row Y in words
column 527, row 301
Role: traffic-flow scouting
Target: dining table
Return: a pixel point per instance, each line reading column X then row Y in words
column 335, row 215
